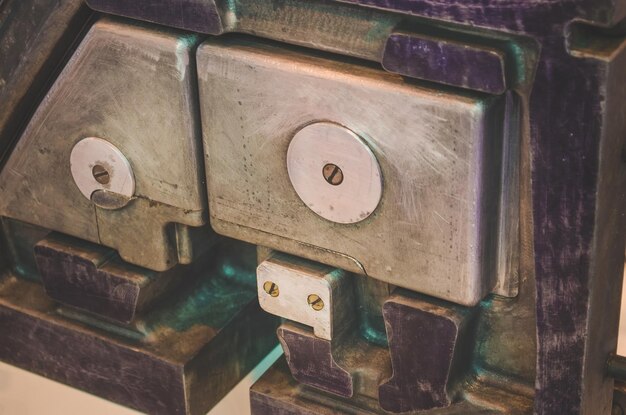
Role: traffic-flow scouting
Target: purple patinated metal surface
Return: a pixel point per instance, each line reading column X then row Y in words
column 92, row 363
column 447, row 62
column 196, row 15
column 566, row 111
column 95, row 279
column 311, row 362
column 424, row 344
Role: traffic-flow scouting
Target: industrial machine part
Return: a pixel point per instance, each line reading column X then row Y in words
column 104, row 112
column 431, row 193
column 112, row 280
column 438, row 213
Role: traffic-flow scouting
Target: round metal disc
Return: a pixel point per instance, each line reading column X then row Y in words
column 334, row 172
column 97, row 164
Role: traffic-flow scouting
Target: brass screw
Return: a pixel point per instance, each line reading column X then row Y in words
column 315, row 302
column 332, row 174
column 101, row 174
column 271, row 288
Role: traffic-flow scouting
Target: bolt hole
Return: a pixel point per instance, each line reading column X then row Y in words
column 101, row 174
column 332, row 174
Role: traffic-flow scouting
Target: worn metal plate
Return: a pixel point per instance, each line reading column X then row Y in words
column 439, row 154
column 306, row 292
column 135, row 88
column 450, row 62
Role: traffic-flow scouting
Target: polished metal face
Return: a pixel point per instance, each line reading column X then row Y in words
column 334, row 172
column 270, row 146
column 133, row 89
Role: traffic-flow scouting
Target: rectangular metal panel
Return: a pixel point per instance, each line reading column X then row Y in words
column 439, row 153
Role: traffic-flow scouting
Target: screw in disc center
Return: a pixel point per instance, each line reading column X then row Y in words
column 101, row 174
column 332, row 174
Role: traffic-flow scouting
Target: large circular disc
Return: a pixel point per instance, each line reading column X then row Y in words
column 334, row 172
column 97, row 164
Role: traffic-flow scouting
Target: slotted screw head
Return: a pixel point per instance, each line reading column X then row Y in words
column 333, row 174
column 101, row 174
column 271, row 288
column 315, row 302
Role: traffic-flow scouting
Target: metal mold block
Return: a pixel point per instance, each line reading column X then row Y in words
column 439, row 152
column 312, row 363
column 135, row 88
column 430, row 350
column 94, row 279
column 181, row 357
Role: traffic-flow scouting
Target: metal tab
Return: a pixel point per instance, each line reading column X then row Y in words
column 306, row 292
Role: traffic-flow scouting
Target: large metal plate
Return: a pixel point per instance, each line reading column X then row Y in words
column 135, row 88
column 439, row 154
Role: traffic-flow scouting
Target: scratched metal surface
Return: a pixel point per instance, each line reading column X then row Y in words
column 435, row 226
column 107, row 90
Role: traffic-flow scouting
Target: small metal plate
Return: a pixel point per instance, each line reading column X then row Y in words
column 303, row 291
column 92, row 154
column 334, row 172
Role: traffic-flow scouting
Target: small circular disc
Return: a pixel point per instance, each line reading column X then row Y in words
column 334, row 172
column 97, row 164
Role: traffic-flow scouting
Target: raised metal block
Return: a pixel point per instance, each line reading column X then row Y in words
column 461, row 64
column 133, row 89
column 348, row 366
column 306, row 292
column 181, row 357
column 195, row 15
column 94, row 278
column 434, row 230
column 311, row 361
column 430, row 353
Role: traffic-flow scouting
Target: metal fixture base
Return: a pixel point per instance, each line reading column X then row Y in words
column 277, row 393
column 181, row 368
